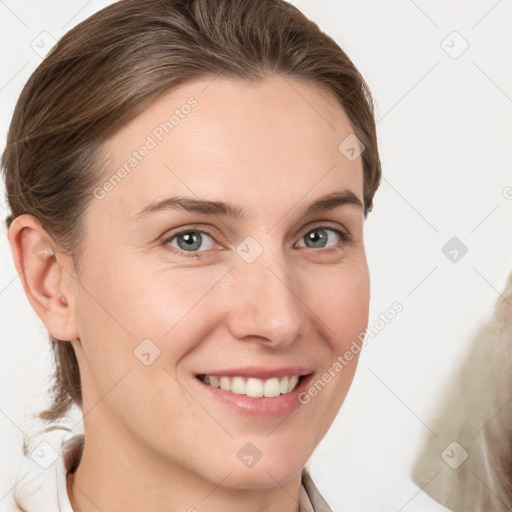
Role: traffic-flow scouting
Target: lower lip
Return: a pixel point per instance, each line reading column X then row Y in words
column 269, row 407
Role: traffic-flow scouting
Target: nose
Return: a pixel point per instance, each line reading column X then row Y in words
column 265, row 303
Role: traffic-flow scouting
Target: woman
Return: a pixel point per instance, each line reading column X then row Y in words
column 188, row 183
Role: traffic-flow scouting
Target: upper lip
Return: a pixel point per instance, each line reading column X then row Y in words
column 260, row 372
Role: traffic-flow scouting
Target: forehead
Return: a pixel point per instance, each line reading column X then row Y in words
column 267, row 143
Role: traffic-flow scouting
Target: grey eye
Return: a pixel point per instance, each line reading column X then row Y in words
column 191, row 241
column 317, row 238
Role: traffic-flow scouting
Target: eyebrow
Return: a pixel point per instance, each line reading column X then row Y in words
column 203, row 206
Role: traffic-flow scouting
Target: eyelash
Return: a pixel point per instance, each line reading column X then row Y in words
column 345, row 237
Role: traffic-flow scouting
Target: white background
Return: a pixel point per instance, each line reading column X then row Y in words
column 444, row 127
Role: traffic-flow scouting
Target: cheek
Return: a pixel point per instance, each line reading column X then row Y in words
column 342, row 303
column 125, row 303
column 343, row 309
column 340, row 313
column 349, row 312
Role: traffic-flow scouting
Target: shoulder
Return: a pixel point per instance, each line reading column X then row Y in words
column 41, row 480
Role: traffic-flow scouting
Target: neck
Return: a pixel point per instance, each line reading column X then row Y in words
column 116, row 474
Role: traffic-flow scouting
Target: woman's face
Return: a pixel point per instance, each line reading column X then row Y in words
column 260, row 290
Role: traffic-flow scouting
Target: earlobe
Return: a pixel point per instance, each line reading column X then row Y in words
column 44, row 274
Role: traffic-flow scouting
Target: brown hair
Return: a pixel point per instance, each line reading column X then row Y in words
column 109, row 67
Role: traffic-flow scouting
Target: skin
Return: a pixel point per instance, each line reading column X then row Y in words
column 152, row 441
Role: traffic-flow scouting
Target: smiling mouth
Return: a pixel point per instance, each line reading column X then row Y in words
column 252, row 386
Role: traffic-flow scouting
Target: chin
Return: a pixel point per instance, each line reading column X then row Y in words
column 264, row 467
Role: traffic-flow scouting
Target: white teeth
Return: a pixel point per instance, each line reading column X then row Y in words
column 272, row 387
column 284, row 385
column 238, row 386
column 225, row 383
column 253, row 387
column 214, row 381
column 292, row 382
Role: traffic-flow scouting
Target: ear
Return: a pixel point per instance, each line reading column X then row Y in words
column 47, row 275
